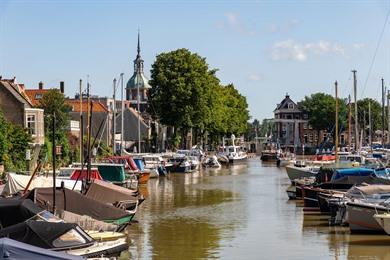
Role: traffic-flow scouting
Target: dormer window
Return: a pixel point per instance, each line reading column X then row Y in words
column 290, row 106
column 38, row 96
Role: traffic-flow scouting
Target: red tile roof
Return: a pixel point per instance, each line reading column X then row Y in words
column 96, row 105
column 32, row 95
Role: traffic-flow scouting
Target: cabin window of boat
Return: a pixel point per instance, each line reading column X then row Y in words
column 70, row 238
column 48, row 217
column 231, row 149
column 30, row 123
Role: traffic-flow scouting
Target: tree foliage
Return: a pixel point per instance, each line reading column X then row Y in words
column 181, row 86
column 14, row 140
column 53, row 102
column 186, row 94
column 376, row 113
column 321, row 110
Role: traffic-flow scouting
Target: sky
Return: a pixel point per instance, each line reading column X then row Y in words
column 265, row 48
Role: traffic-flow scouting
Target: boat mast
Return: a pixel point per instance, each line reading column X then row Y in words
column 122, row 109
column 356, row 112
column 113, row 119
column 337, row 123
column 383, row 113
column 388, row 116
column 369, row 124
column 81, row 121
column 349, row 123
column 89, row 118
column 138, row 97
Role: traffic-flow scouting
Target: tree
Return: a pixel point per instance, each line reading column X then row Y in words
column 53, row 102
column 236, row 109
column 266, row 127
column 186, row 94
column 376, row 113
column 321, row 110
column 182, row 85
column 14, row 140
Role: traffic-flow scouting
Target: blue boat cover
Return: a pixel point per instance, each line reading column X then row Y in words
column 140, row 164
column 352, row 172
column 11, row 249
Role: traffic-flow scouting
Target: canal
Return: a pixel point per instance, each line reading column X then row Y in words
column 239, row 212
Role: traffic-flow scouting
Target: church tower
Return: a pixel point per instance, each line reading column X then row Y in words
column 138, row 85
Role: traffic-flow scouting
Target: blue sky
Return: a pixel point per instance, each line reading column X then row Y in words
column 266, row 48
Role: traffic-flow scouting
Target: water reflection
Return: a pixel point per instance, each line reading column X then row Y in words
column 239, row 212
column 184, row 238
column 185, row 216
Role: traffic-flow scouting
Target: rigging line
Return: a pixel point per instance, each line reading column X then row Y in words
column 376, row 52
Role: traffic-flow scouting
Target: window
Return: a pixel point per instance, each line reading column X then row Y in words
column 305, row 126
column 31, row 124
column 310, row 138
column 290, row 106
column 38, row 96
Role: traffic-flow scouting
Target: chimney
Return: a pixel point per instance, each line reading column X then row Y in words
column 62, row 87
column 40, row 84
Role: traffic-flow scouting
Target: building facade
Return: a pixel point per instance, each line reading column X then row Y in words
column 289, row 123
column 18, row 109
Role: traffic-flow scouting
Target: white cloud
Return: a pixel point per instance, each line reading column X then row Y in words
column 358, row 46
column 255, row 77
column 233, row 22
column 293, row 50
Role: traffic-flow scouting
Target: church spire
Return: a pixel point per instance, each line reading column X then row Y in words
column 138, row 47
column 138, row 62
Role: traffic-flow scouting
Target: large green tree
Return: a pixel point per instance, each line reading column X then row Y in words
column 321, row 110
column 53, row 102
column 181, row 87
column 186, row 94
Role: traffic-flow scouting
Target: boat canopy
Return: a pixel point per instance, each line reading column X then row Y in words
column 369, row 189
column 356, row 180
column 94, row 174
column 12, row 249
column 352, row 172
column 17, row 183
column 50, row 235
column 140, row 164
column 13, row 211
column 77, row 203
column 109, row 193
column 112, row 172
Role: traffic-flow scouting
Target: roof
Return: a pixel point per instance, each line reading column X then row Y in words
column 284, row 105
column 17, row 91
column 138, row 80
column 97, row 106
column 35, row 95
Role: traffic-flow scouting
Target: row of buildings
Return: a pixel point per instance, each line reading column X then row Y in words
column 291, row 129
column 20, row 105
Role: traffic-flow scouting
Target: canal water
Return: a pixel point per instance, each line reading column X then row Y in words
column 238, row 212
